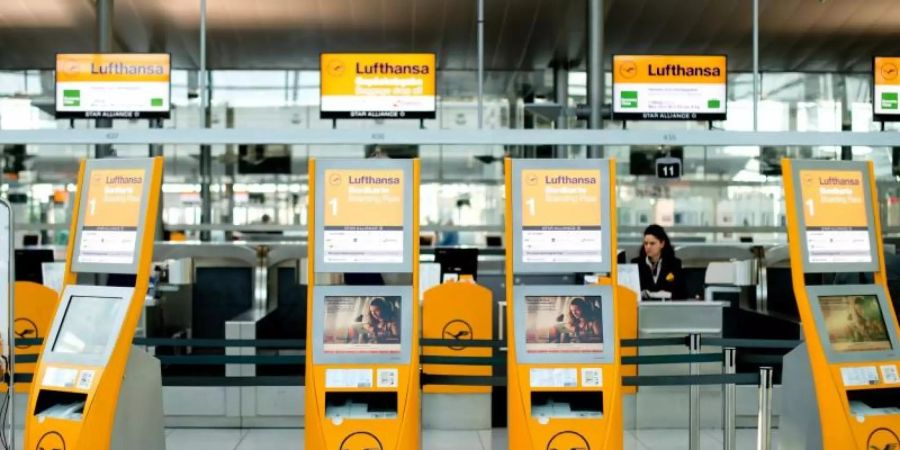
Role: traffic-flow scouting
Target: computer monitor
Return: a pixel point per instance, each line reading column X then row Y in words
column 560, row 324
column 853, row 322
column 365, row 324
column 460, row 261
column 29, row 264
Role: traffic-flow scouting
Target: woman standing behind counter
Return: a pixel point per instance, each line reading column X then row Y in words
column 660, row 271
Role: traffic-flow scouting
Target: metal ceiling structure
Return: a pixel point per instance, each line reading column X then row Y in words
column 521, row 35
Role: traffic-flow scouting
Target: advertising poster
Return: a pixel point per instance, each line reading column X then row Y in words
column 834, row 210
column 561, row 216
column 563, row 324
column 855, row 323
column 378, row 86
column 362, row 324
column 363, row 216
column 670, row 87
column 111, row 215
column 108, row 85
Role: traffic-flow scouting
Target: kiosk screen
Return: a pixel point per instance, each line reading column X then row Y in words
column 563, row 324
column 362, row 324
column 112, row 214
column 87, row 325
column 855, row 323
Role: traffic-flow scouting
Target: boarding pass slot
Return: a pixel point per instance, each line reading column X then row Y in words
column 874, row 402
column 60, row 405
column 566, row 404
column 360, row 405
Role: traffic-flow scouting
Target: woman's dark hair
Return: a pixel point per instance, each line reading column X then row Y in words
column 387, row 312
column 587, row 310
column 660, row 234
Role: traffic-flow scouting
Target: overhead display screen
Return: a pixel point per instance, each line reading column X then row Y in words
column 363, row 216
column 886, row 100
column 563, row 324
column 835, row 215
column 111, row 216
column 362, row 324
column 855, row 323
column 88, row 324
column 378, row 86
column 109, row 85
column 670, row 87
column 561, row 216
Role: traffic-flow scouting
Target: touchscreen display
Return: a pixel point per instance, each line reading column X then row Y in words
column 563, row 324
column 855, row 323
column 362, row 324
column 88, row 324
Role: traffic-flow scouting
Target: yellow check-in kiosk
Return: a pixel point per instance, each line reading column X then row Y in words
column 362, row 363
column 564, row 377
column 33, row 317
column 91, row 389
column 841, row 386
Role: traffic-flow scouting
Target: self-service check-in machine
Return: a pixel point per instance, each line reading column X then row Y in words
column 564, row 377
column 841, row 386
column 91, row 389
column 362, row 363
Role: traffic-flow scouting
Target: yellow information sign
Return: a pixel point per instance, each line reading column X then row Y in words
column 378, row 85
column 670, row 87
column 113, row 85
column 363, row 215
column 834, row 211
column 112, row 214
column 887, row 88
column 561, row 215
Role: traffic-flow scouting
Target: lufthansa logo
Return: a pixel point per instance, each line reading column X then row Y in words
column 51, row 441
column 883, row 439
column 568, row 440
column 628, row 69
column 457, row 330
column 532, row 180
column 336, row 67
column 25, row 329
column 361, row 440
column 335, row 179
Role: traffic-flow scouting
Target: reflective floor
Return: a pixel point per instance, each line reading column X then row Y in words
column 292, row 439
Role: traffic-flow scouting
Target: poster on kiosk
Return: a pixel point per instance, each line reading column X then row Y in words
column 841, row 386
column 362, row 377
column 564, row 379
column 89, row 378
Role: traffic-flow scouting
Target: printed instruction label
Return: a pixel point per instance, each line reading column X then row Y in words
column 556, row 377
column 388, row 378
column 889, row 374
column 348, row 378
column 592, row 377
column 86, row 379
column 859, row 376
column 59, row 377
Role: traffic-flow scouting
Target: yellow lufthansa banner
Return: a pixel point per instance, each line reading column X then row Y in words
column 561, row 198
column 355, row 198
column 887, row 88
column 378, row 85
column 135, row 67
column 670, row 69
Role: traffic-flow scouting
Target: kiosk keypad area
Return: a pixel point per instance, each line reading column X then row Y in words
column 841, row 386
column 362, row 377
column 81, row 393
column 564, row 379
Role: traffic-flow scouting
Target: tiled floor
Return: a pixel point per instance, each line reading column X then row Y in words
column 292, row 439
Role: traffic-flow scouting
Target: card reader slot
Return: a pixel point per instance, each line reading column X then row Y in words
column 874, row 402
column 60, row 405
column 361, row 405
column 567, row 404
